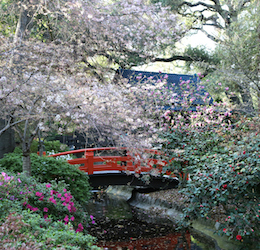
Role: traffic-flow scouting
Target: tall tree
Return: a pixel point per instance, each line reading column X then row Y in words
column 200, row 15
column 239, row 67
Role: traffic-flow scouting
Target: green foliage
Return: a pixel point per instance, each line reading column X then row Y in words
column 224, row 169
column 240, row 60
column 55, row 146
column 28, row 230
column 42, row 214
column 50, row 146
column 202, row 59
column 11, row 236
column 8, row 17
column 45, row 169
column 185, row 148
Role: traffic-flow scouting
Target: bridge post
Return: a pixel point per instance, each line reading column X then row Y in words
column 90, row 164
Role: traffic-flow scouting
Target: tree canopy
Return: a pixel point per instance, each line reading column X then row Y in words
column 58, row 59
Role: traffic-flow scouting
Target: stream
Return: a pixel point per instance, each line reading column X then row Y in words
column 119, row 225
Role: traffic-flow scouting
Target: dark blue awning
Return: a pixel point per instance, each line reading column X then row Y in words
column 173, row 83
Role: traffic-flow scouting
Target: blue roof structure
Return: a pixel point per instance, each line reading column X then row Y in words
column 173, row 82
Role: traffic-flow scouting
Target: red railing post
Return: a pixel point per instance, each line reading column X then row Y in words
column 90, row 164
column 113, row 164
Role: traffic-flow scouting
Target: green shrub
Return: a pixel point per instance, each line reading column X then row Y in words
column 28, row 230
column 224, row 168
column 51, row 201
column 37, row 215
column 50, row 146
column 45, row 169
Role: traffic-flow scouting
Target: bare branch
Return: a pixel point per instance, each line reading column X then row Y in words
column 208, row 6
column 213, row 38
column 10, row 125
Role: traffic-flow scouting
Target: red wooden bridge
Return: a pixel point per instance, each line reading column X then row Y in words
column 117, row 166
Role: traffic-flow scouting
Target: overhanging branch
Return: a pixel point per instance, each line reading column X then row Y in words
column 174, row 58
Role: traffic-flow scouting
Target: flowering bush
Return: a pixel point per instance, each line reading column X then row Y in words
column 52, row 202
column 47, row 168
column 221, row 157
column 224, row 169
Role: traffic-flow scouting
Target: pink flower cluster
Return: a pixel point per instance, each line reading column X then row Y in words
column 66, row 198
column 80, row 228
column 7, row 179
column 66, row 219
column 67, row 202
column 31, row 207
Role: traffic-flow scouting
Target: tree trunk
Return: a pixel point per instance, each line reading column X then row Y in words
column 248, row 106
column 27, row 164
column 25, row 19
column 41, row 147
column 7, row 142
column 235, row 100
column 26, row 157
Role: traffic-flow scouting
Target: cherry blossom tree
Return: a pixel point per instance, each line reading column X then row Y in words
column 56, row 64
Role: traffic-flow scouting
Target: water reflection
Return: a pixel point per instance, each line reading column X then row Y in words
column 173, row 241
column 104, row 205
column 119, row 227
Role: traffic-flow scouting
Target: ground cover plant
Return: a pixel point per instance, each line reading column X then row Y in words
column 37, row 215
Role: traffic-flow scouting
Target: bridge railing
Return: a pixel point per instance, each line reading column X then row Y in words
column 93, row 161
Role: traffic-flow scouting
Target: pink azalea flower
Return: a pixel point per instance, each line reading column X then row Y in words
column 52, row 200
column 41, row 198
column 29, row 206
column 80, row 228
column 38, row 194
column 53, row 192
column 45, row 209
column 66, row 219
column 72, row 218
column 48, row 185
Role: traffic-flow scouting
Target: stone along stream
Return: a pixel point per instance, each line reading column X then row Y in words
column 123, row 222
